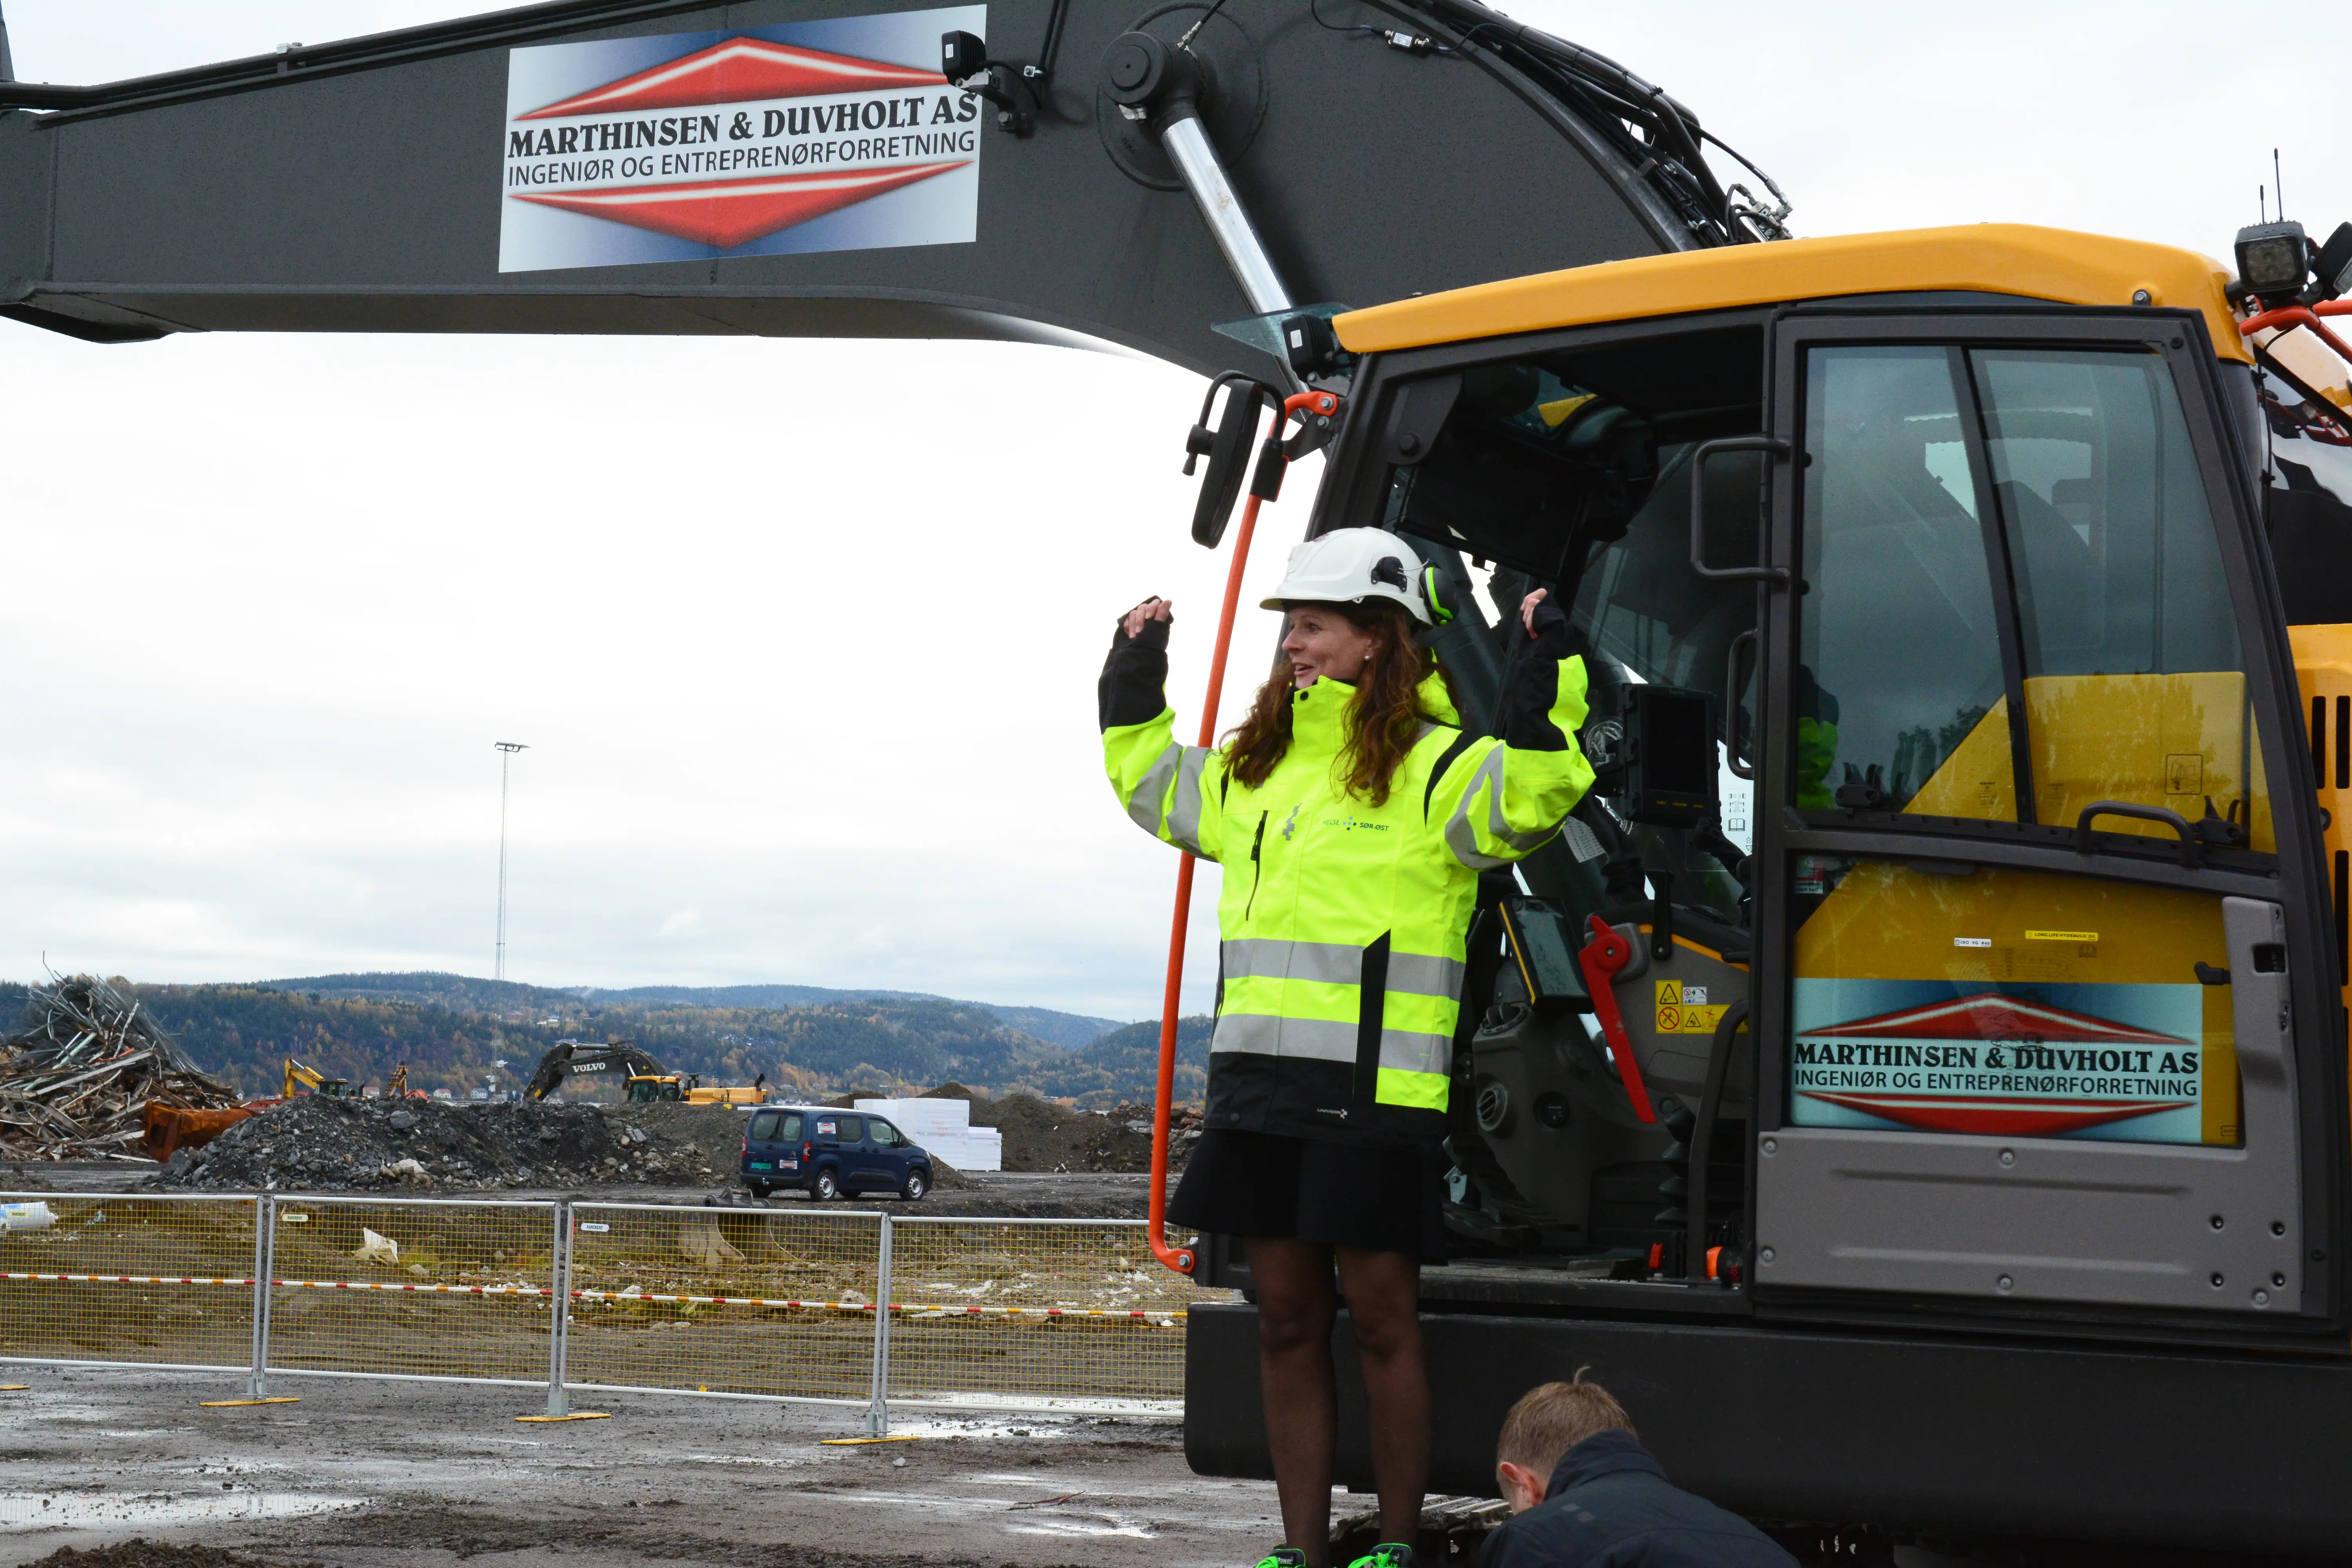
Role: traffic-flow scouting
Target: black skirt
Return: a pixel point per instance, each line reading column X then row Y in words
column 1333, row 1195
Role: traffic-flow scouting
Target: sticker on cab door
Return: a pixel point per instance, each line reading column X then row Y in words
column 2123, row 1062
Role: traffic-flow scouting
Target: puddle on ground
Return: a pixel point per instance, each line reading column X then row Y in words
column 63, row 1510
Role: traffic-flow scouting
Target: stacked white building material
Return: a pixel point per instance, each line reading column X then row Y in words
column 944, row 1127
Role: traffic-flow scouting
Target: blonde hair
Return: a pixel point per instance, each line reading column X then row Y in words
column 1550, row 1420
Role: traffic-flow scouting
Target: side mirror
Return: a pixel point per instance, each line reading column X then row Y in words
column 1664, row 766
column 1227, row 448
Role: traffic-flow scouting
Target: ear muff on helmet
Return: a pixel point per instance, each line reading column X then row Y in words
column 1440, row 612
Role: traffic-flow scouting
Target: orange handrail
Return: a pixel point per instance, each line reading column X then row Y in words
column 1180, row 1259
column 2291, row 316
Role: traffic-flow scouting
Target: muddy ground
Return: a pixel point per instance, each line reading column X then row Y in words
column 1015, row 1195
column 368, row 1475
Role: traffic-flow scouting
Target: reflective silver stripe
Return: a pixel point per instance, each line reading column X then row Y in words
column 1463, row 839
column 1425, row 977
column 1261, row 1035
column 1402, row 1050
column 1143, row 806
column 1184, row 816
column 1338, row 963
column 1266, row 958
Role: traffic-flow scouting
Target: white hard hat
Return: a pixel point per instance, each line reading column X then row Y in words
column 1349, row 565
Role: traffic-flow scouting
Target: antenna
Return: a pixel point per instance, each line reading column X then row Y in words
column 507, row 749
column 2278, row 184
column 2262, row 203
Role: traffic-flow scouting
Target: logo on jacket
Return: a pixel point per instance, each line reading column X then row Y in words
column 1290, row 822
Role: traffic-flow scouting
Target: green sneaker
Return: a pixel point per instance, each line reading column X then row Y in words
column 1386, row 1555
column 1283, row 1557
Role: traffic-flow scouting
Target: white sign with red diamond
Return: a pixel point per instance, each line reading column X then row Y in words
column 809, row 136
column 1948, row 1059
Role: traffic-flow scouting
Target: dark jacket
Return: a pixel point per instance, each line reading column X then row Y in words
column 1611, row 1506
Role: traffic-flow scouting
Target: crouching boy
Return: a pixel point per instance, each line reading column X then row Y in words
column 1583, row 1490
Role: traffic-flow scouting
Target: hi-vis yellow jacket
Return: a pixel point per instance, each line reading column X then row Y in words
column 1344, row 924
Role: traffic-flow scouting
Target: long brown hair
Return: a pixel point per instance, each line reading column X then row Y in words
column 1384, row 721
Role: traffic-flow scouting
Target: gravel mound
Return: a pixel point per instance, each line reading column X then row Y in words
column 141, row 1552
column 1041, row 1136
column 317, row 1144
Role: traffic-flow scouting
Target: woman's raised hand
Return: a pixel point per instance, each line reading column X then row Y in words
column 1151, row 609
column 1527, row 610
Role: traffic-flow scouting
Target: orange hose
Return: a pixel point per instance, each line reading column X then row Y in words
column 1180, row 1259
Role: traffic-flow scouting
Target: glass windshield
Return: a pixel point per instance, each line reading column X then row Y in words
column 2135, row 685
column 1899, row 665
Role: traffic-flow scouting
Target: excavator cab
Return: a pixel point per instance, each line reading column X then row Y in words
column 647, row 1089
column 1948, row 920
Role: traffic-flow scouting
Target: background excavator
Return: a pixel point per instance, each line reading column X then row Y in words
column 644, row 1079
column 1992, row 1314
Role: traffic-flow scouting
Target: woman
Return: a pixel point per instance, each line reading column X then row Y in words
column 1352, row 816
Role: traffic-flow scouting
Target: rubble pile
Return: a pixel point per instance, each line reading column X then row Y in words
column 78, row 1075
column 315, row 1143
column 1041, row 1136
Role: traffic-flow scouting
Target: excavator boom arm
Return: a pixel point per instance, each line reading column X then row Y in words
column 1384, row 149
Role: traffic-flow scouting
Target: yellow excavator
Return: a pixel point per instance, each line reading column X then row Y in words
column 644, row 1079
column 300, row 1080
column 1916, row 1079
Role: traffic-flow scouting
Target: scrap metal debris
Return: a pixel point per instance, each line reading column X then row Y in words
column 78, row 1075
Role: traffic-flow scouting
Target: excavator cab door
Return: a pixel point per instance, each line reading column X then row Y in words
column 1570, row 462
column 2046, row 1006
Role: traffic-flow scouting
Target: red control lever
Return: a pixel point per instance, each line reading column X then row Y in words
column 1602, row 958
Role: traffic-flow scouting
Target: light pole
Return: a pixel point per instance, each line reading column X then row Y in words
column 507, row 749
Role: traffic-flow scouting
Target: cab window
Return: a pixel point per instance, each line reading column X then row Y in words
column 2135, row 685
column 882, row 1132
column 2013, row 604
column 1899, row 667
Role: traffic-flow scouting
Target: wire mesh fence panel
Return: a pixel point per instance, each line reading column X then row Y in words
column 159, row 1281
column 1042, row 1313
column 412, row 1287
column 723, row 1300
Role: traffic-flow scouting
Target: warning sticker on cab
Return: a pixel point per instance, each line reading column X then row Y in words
column 1684, row 1009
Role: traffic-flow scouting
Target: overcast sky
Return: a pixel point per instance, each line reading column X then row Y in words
column 827, row 717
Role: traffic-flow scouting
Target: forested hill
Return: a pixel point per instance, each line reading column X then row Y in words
column 510, row 1000
column 453, row 1033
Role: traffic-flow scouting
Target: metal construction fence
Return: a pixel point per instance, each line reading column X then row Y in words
column 836, row 1306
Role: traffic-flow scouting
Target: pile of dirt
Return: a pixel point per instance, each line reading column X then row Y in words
column 141, row 1552
column 1041, row 1136
column 317, row 1144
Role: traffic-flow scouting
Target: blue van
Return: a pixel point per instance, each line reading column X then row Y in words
column 830, row 1153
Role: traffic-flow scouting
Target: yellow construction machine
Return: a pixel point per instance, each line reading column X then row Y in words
column 300, row 1080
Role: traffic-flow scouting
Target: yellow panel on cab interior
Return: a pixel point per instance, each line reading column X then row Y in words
column 1977, row 780
column 2019, row 259
column 2173, row 741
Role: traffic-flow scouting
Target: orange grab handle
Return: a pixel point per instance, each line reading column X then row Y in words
column 2298, row 316
column 1180, row 1259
